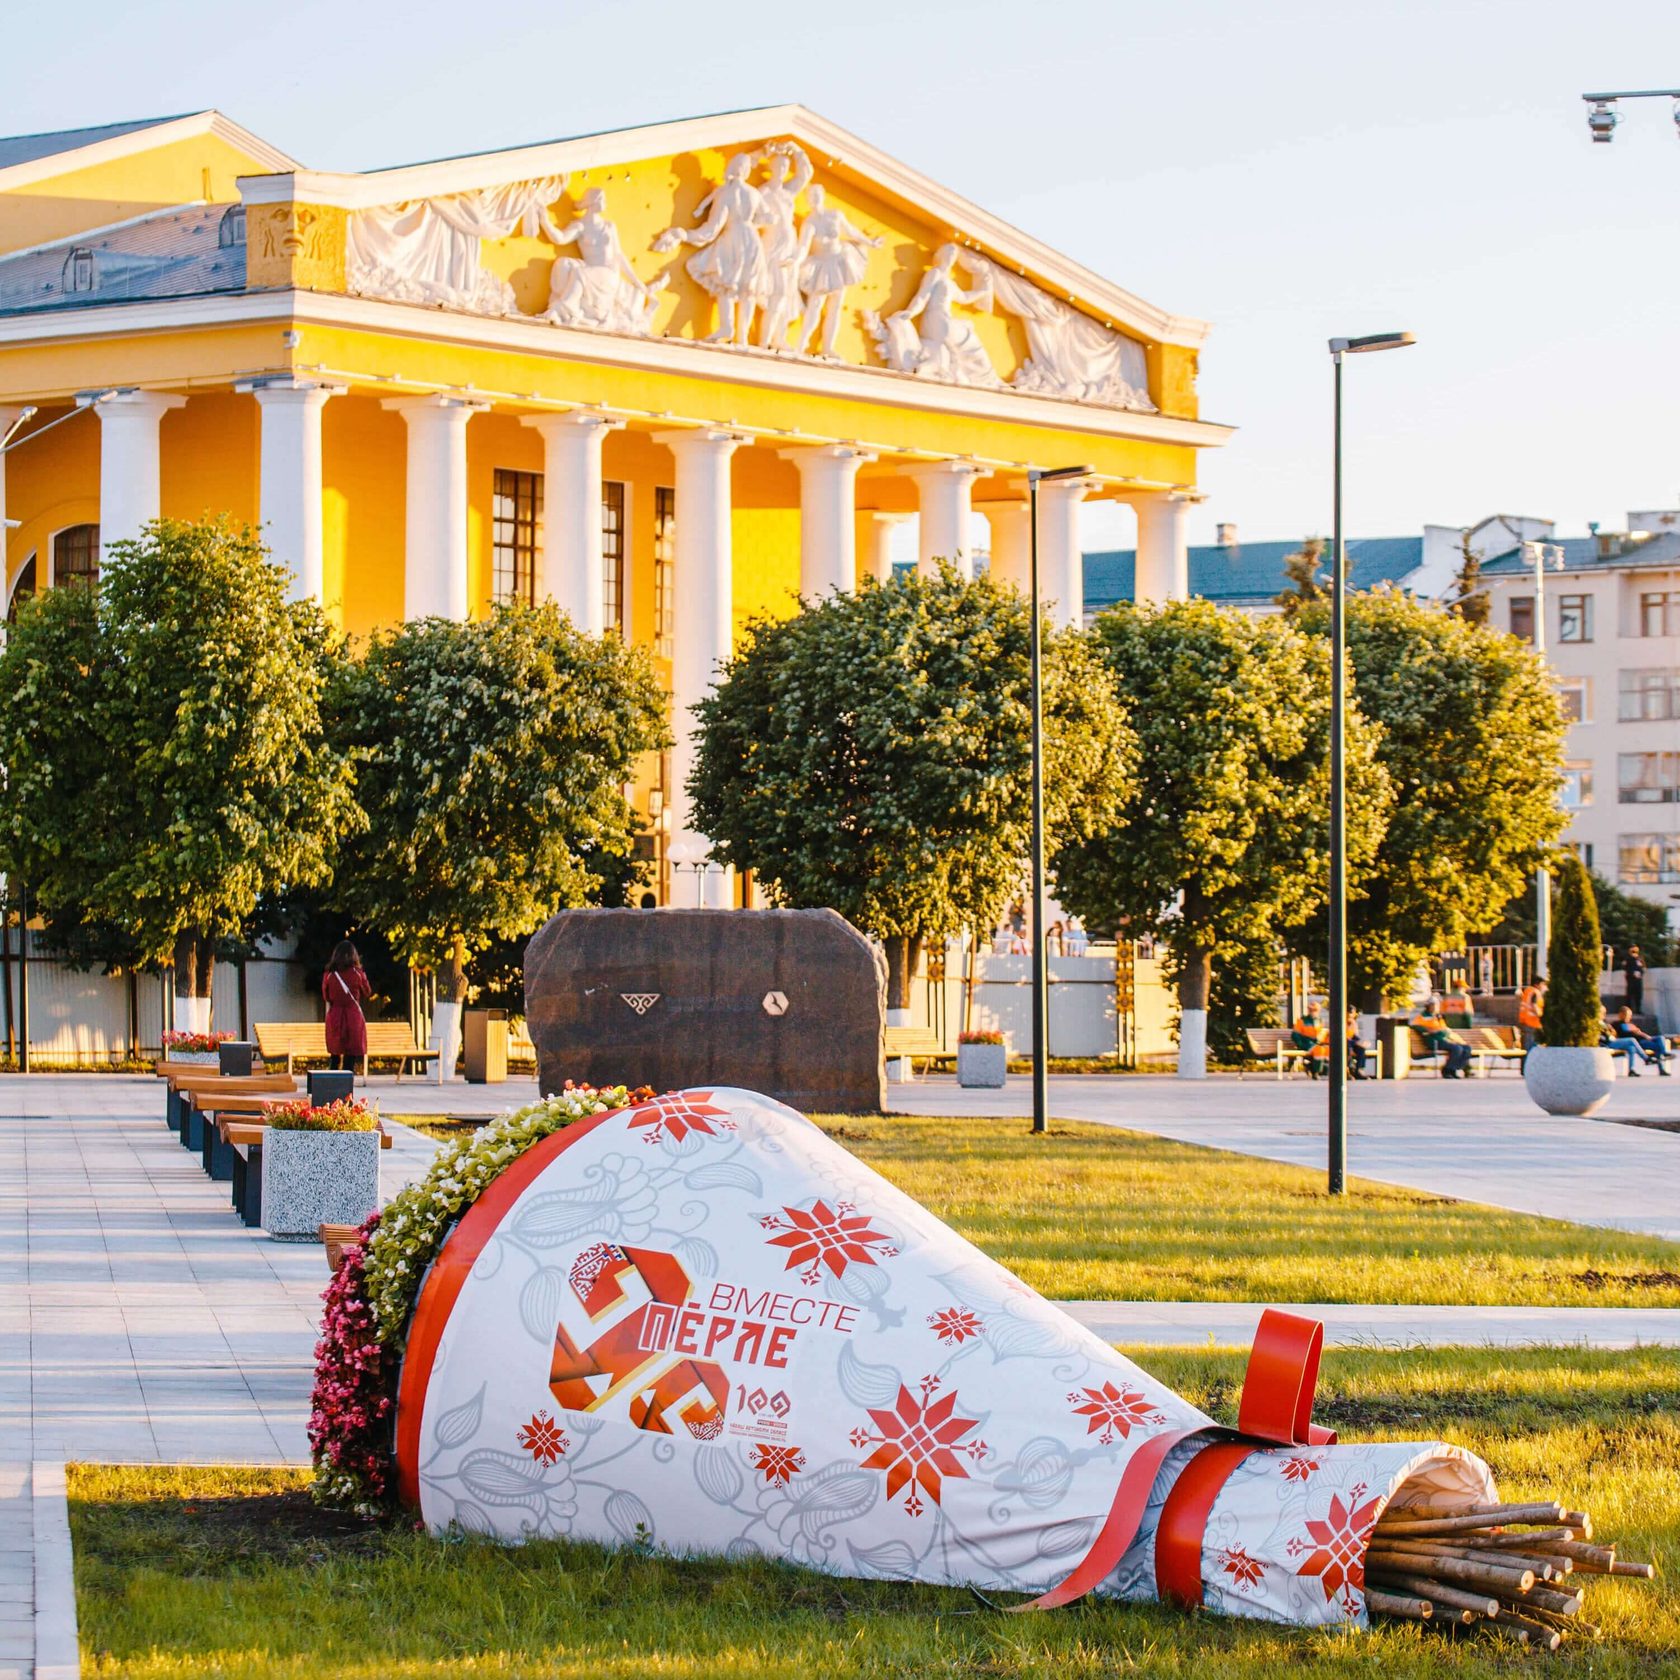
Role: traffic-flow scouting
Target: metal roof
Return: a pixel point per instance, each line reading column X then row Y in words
column 26, row 148
column 1595, row 554
column 1249, row 574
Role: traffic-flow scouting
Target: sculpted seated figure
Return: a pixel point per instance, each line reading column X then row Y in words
column 599, row 288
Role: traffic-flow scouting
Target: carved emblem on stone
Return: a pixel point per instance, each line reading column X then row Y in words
column 775, row 1003
column 641, row 1002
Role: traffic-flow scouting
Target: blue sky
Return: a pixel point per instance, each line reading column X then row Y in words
column 1287, row 171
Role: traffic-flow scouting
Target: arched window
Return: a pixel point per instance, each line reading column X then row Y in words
column 75, row 552
column 78, row 270
column 231, row 229
column 22, row 589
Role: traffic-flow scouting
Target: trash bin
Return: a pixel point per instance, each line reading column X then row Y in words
column 1394, row 1045
column 485, row 1046
column 233, row 1059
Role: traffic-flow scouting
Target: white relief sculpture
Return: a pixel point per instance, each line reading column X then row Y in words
column 1068, row 354
column 944, row 346
column 431, row 250
column 598, row 288
column 790, row 173
column 830, row 258
column 729, row 263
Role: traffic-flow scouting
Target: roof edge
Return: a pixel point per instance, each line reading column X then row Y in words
column 140, row 140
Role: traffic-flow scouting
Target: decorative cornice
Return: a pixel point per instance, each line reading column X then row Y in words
column 832, row 145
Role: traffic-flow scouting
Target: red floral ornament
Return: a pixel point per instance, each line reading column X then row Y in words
column 1335, row 1551
column 955, row 1325
column 819, row 1236
column 1245, row 1571
column 778, row 1464
column 1299, row 1468
column 677, row 1115
column 543, row 1439
column 1109, row 1409
column 917, row 1443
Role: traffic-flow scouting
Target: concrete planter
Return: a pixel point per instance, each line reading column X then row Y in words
column 982, row 1067
column 193, row 1058
column 1570, row 1079
column 315, row 1178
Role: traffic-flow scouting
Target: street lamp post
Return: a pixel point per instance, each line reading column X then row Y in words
column 1040, row 946
column 1603, row 117
column 1543, row 554
column 1337, row 976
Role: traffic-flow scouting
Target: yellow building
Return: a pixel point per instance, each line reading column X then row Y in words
column 671, row 376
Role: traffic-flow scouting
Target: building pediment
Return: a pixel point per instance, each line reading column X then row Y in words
column 762, row 233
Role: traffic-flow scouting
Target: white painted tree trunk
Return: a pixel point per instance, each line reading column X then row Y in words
column 192, row 1014
column 899, row 1068
column 1192, row 1044
column 446, row 1036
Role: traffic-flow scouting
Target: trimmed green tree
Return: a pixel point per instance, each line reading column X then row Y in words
column 1224, row 840
column 165, row 760
column 491, row 759
column 1573, row 1011
column 871, row 755
column 1471, row 738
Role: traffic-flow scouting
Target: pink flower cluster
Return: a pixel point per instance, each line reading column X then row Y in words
column 199, row 1042
column 350, row 1423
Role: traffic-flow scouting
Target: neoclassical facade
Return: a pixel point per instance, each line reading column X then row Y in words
column 671, row 376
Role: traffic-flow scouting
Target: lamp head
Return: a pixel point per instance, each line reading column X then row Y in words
column 1371, row 341
column 1037, row 475
column 1602, row 120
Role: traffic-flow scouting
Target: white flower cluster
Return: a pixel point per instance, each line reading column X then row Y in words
column 413, row 1227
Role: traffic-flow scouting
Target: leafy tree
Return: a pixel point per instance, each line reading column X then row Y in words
column 1225, row 838
column 1305, row 571
column 1573, row 1010
column 490, row 764
column 165, row 760
column 872, row 755
column 1471, row 737
column 1624, row 919
column 1470, row 601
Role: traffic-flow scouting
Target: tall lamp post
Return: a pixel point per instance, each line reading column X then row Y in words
column 1340, row 347
column 1040, row 946
column 1543, row 555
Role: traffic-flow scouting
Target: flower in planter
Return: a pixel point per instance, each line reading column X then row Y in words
column 345, row 1115
column 985, row 1035
column 195, row 1043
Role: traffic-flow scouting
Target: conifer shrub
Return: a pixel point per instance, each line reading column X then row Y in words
column 1573, row 1012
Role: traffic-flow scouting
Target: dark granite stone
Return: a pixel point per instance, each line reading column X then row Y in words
column 789, row 1003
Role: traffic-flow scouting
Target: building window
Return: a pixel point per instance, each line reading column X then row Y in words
column 1583, row 850
column 1577, row 784
column 1649, row 696
column 1575, row 618
column 1575, row 696
column 515, row 534
column 1648, row 859
column 78, row 270
column 1659, row 613
column 664, row 571
column 1649, row 778
column 612, row 556
column 1522, row 617
column 76, row 555
column 230, row 230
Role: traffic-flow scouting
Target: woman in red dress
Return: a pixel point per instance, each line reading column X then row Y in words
column 344, row 986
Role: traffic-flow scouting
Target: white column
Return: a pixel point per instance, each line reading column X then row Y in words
column 130, row 496
column 289, row 477
column 1011, row 524
column 435, row 539
column 945, row 492
column 8, row 417
column 703, row 598
column 827, row 516
column 569, row 567
column 1061, row 561
column 1163, row 555
column 874, row 529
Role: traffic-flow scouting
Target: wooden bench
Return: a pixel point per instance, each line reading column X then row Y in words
column 204, row 1108
column 1269, row 1043
column 335, row 1239
column 914, row 1044
column 179, row 1086
column 1497, row 1046
column 289, row 1041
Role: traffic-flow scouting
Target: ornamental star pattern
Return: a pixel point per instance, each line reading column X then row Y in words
column 822, row 1236
column 1245, row 1571
column 1109, row 1409
column 1335, row 1549
column 543, row 1439
column 917, row 1443
column 778, row 1464
column 955, row 1325
column 677, row 1115
column 1299, row 1468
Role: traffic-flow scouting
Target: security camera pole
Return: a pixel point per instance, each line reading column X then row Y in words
column 1337, row 976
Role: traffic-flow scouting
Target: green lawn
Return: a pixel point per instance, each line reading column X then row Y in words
column 193, row 1573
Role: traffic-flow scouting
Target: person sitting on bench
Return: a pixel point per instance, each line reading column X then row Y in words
column 1442, row 1040
column 1306, row 1034
column 1358, row 1051
column 1622, row 1032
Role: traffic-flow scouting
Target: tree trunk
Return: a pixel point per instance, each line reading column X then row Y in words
column 446, row 1012
column 195, row 961
column 903, row 952
column 1194, row 981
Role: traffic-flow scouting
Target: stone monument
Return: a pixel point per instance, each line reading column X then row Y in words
column 787, row 1002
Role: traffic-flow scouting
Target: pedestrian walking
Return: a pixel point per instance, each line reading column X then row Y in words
column 1633, row 972
column 344, row 988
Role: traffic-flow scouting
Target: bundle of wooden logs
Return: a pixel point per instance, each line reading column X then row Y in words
column 1515, row 1569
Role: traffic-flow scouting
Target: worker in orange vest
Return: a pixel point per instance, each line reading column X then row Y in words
column 1531, row 1006
column 1307, row 1034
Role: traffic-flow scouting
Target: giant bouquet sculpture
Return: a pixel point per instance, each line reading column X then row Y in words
column 697, row 1321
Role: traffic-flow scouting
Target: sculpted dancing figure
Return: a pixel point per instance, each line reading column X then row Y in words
column 730, row 261
column 790, row 173
column 600, row 288
column 830, row 259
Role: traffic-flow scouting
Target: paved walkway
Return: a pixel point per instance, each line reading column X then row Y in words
column 1480, row 1140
